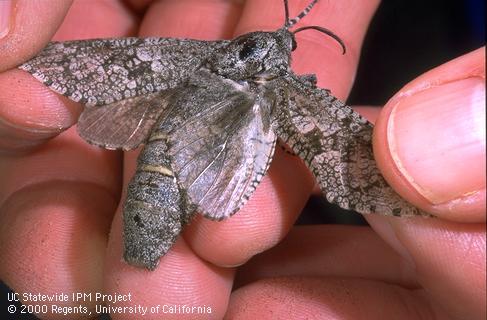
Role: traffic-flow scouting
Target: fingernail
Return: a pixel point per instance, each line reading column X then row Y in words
column 5, row 17
column 437, row 139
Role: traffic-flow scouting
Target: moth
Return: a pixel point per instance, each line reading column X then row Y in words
column 209, row 114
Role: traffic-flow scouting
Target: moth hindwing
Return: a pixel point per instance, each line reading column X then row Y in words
column 209, row 114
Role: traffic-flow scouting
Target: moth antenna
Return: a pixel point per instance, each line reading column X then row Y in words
column 325, row 31
column 291, row 22
column 286, row 10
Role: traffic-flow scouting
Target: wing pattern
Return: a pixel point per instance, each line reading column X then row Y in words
column 123, row 124
column 220, row 141
column 336, row 144
column 103, row 71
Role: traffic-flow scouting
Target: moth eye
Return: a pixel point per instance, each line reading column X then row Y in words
column 247, row 50
column 294, row 45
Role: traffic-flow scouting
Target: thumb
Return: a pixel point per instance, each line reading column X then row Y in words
column 429, row 141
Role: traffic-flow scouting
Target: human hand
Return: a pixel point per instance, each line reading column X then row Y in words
column 60, row 195
column 435, row 129
column 75, row 187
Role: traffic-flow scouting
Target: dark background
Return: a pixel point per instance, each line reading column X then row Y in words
column 406, row 38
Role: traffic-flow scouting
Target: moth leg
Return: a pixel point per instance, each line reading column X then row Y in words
column 155, row 210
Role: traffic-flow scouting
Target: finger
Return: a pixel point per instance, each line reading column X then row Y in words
column 139, row 5
column 448, row 258
column 330, row 251
column 30, row 113
column 181, row 17
column 58, row 201
column 23, row 124
column 429, row 141
column 280, row 197
column 331, row 298
column 97, row 19
column 21, row 36
column 55, row 210
column 181, row 277
column 262, row 222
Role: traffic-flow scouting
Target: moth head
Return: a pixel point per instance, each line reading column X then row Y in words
column 253, row 54
column 263, row 54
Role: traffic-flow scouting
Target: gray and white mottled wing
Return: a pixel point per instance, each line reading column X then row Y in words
column 220, row 141
column 336, row 144
column 124, row 124
column 104, row 71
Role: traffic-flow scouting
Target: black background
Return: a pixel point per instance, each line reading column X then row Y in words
column 406, row 38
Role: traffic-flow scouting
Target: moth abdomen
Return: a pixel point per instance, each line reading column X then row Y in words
column 155, row 210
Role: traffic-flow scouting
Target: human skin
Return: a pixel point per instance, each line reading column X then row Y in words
column 60, row 219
